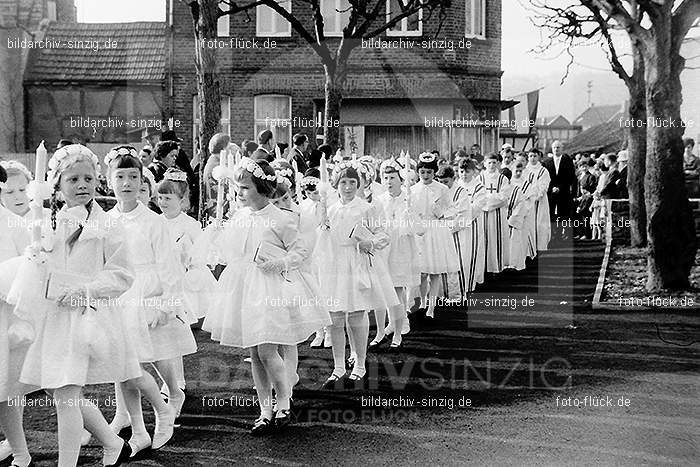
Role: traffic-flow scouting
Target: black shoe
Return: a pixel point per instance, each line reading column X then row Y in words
column 262, row 426
column 124, row 456
column 283, row 418
column 331, row 382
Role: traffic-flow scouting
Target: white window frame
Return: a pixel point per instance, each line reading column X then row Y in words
column 223, row 24
column 469, row 5
column 226, row 122
column 404, row 23
column 51, row 10
column 258, row 18
column 339, row 18
column 274, row 131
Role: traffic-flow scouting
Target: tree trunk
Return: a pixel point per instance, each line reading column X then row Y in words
column 205, row 21
column 335, row 79
column 670, row 227
column 637, row 151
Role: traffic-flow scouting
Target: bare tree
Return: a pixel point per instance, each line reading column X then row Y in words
column 367, row 20
column 657, row 28
column 575, row 23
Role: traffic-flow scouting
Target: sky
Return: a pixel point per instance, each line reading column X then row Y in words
column 524, row 70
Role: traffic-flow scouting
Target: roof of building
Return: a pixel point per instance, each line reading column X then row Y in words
column 597, row 114
column 605, row 137
column 556, row 120
column 100, row 52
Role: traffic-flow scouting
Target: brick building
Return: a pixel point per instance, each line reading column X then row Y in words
column 101, row 85
column 22, row 20
column 395, row 99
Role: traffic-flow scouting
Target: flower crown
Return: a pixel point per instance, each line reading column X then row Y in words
column 120, row 151
column 251, row 166
column 281, row 179
column 67, row 151
column 306, row 181
column 285, row 172
column 349, row 164
column 427, row 157
column 149, row 175
column 175, row 176
column 16, row 165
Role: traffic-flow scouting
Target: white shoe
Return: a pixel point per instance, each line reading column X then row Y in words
column 177, row 401
column 165, row 424
column 5, row 450
column 85, row 438
column 138, row 444
column 406, row 328
column 318, row 340
column 327, row 341
column 165, row 392
column 119, row 422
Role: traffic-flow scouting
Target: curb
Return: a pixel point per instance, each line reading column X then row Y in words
column 596, row 304
column 610, row 305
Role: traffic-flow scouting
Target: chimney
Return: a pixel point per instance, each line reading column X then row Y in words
column 66, row 12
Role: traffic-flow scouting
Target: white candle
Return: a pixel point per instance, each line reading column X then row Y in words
column 220, row 191
column 40, row 163
column 406, row 181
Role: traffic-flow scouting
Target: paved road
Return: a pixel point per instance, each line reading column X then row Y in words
column 495, row 381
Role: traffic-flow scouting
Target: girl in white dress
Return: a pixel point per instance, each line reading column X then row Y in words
column 79, row 335
column 263, row 301
column 14, row 196
column 437, row 250
column 152, row 306
column 197, row 284
column 403, row 226
column 14, row 238
column 354, row 278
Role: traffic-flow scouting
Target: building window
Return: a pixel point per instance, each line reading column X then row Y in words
column 223, row 25
column 475, row 19
column 336, row 15
column 51, row 10
column 274, row 112
column 410, row 26
column 270, row 24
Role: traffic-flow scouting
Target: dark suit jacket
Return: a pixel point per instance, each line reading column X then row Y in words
column 301, row 160
column 611, row 189
column 563, row 201
column 588, row 181
column 622, row 184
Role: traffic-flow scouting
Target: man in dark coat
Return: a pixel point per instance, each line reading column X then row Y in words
column 297, row 153
column 562, row 189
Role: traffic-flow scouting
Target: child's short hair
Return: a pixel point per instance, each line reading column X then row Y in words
column 164, row 148
column 311, row 180
column 688, row 142
column 492, row 156
column 14, row 168
column 519, row 165
column 281, row 190
column 174, row 183
column 467, row 164
column 284, row 169
column 123, row 157
column 266, row 184
column 427, row 161
column 345, row 172
column 445, row 171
